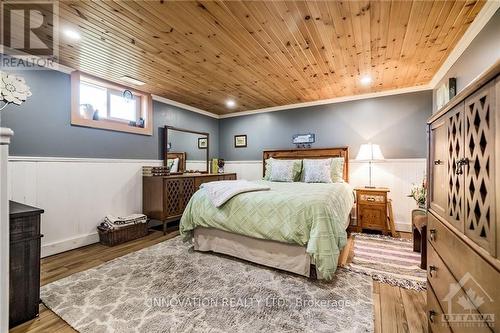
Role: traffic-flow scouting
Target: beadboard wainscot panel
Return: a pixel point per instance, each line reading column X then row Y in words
column 397, row 174
column 76, row 193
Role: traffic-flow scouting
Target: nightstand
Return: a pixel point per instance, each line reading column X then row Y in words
column 374, row 210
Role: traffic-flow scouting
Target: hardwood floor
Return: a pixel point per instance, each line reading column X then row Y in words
column 395, row 309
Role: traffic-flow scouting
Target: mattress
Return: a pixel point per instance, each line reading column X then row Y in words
column 308, row 215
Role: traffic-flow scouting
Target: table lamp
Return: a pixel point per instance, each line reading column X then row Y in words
column 370, row 153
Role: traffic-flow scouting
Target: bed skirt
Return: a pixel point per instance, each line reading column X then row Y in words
column 287, row 257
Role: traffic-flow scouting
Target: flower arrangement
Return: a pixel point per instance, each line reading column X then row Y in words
column 13, row 89
column 419, row 194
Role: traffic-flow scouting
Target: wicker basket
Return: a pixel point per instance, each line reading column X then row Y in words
column 122, row 235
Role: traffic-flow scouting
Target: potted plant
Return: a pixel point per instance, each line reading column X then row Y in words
column 419, row 194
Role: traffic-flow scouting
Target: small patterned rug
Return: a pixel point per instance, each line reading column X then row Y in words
column 170, row 288
column 388, row 260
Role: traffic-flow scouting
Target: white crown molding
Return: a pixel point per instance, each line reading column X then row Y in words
column 482, row 18
column 329, row 101
column 185, row 106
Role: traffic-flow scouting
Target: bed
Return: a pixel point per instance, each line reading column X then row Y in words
column 296, row 227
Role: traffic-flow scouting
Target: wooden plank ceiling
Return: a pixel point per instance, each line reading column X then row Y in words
column 263, row 53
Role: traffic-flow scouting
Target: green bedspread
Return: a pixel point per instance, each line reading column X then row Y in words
column 297, row 213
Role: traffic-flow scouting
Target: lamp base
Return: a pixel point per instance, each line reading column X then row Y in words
column 370, row 186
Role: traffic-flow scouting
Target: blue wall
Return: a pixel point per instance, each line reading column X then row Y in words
column 397, row 123
column 42, row 125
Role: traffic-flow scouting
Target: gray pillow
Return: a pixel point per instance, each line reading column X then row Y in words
column 282, row 171
column 317, row 171
column 297, row 168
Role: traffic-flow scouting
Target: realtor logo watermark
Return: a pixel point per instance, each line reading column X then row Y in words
column 29, row 34
column 463, row 300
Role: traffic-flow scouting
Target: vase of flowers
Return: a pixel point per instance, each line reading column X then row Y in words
column 419, row 193
column 13, row 90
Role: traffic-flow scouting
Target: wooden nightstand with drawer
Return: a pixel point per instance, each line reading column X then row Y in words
column 371, row 209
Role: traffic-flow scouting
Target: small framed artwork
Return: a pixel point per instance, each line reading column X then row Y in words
column 202, row 143
column 240, row 141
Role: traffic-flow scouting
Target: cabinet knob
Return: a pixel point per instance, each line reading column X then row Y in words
column 459, row 164
column 438, row 162
column 432, row 314
column 432, row 269
column 432, row 234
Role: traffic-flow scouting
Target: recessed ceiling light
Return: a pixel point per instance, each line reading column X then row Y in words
column 230, row 103
column 131, row 80
column 72, row 34
column 366, row 80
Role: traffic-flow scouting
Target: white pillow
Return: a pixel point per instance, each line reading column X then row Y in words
column 317, row 171
column 282, row 171
column 175, row 165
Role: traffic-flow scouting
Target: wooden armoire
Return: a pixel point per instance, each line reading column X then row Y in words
column 463, row 258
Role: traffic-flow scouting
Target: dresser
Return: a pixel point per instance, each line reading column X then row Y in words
column 24, row 263
column 463, row 231
column 164, row 198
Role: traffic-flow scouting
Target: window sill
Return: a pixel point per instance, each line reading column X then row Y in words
column 111, row 125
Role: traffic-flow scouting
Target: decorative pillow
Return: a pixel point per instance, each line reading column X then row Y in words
column 297, row 168
column 317, row 171
column 337, row 169
column 282, row 171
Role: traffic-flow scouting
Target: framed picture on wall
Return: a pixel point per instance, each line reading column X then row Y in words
column 202, row 143
column 240, row 141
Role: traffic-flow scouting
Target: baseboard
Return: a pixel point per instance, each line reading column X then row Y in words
column 69, row 244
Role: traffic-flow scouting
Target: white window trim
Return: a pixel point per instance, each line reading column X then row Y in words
column 121, row 125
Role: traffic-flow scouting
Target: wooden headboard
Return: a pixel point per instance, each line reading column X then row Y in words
column 182, row 159
column 312, row 153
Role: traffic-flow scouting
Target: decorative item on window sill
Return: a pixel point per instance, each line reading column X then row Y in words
column 304, row 140
column 139, row 123
column 419, row 194
column 370, row 153
column 13, row 90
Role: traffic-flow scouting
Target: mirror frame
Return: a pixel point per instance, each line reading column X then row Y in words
column 173, row 128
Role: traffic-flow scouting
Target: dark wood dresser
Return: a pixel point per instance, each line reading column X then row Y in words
column 463, row 230
column 24, row 277
column 165, row 197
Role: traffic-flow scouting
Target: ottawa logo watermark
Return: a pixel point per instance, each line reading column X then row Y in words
column 29, row 35
column 466, row 304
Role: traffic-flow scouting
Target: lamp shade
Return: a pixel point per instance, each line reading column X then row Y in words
column 369, row 152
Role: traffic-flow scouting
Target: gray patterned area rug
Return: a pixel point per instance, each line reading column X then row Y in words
column 171, row 288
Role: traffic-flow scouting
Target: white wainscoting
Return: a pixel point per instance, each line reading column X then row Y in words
column 397, row 174
column 76, row 194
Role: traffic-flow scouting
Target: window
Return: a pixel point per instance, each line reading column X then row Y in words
column 101, row 104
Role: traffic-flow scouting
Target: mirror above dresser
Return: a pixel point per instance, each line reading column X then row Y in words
column 186, row 151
